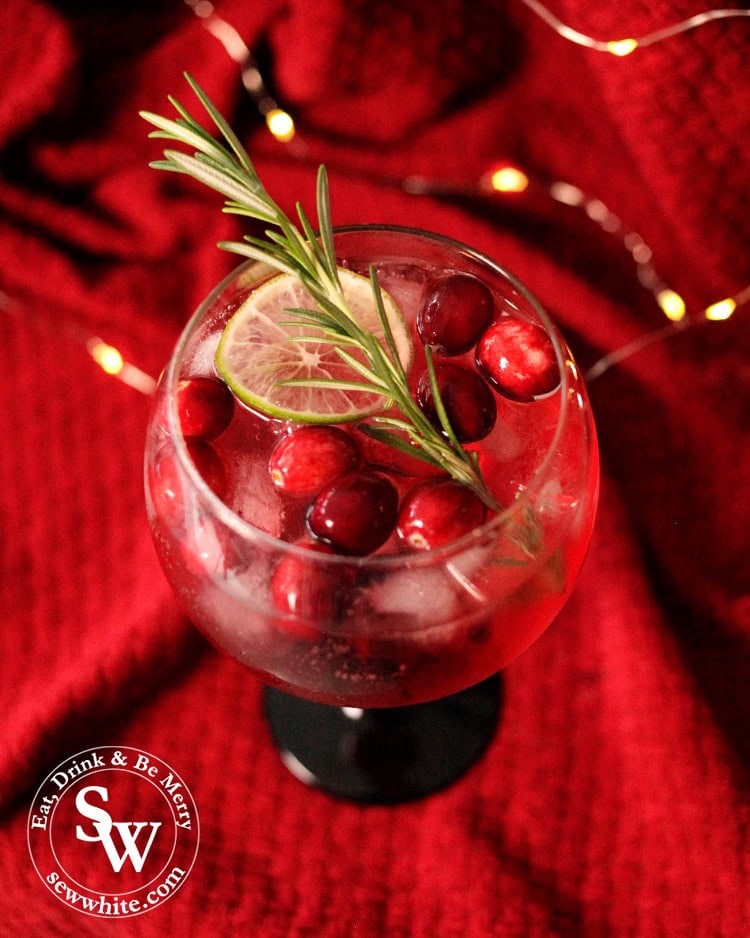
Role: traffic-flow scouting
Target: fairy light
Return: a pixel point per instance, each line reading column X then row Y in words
column 508, row 180
column 110, row 360
column 280, row 124
column 624, row 47
column 226, row 34
column 634, row 243
column 106, row 356
column 717, row 312
column 278, row 121
column 671, row 304
column 566, row 193
column 668, row 300
column 503, row 180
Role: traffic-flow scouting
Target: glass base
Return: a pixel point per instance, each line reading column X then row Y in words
column 384, row 756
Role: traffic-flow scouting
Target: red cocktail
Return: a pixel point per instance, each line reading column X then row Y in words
column 347, row 571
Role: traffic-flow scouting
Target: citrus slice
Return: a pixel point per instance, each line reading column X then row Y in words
column 257, row 352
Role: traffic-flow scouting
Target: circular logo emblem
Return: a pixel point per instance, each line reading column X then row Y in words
column 113, row 832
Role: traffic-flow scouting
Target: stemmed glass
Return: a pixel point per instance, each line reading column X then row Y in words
column 384, row 685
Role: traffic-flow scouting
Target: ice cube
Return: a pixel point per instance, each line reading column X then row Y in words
column 250, row 583
column 202, row 356
column 422, row 597
column 252, row 495
column 405, row 284
column 228, row 617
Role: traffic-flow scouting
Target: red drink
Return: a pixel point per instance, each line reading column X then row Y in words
column 394, row 624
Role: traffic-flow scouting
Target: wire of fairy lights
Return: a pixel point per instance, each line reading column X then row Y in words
column 623, row 47
column 108, row 357
column 507, row 179
column 501, row 180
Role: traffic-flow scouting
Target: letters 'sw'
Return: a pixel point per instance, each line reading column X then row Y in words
column 129, row 832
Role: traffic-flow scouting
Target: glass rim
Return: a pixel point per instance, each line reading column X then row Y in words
column 247, row 530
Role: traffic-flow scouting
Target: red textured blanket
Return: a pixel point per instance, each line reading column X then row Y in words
column 614, row 798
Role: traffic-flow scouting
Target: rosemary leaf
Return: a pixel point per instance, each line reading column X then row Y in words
column 397, row 442
column 323, row 203
column 296, row 249
column 247, row 250
column 226, row 131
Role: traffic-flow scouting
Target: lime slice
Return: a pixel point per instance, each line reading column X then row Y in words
column 257, row 351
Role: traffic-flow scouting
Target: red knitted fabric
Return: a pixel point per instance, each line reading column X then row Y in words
column 613, row 801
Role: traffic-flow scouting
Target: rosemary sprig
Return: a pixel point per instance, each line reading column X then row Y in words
column 298, row 250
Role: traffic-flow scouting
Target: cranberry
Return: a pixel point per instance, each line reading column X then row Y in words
column 454, row 314
column 437, row 512
column 468, row 401
column 308, row 593
column 205, row 407
column 311, row 457
column 356, row 513
column 518, row 359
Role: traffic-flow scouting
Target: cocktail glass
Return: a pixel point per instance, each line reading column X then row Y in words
column 389, row 689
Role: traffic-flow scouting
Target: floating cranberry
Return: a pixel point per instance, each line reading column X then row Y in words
column 205, row 407
column 438, row 512
column 454, row 314
column 310, row 593
column 518, row 359
column 468, row 401
column 311, row 457
column 356, row 513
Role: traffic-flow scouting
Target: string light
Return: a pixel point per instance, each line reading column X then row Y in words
column 280, row 124
column 672, row 304
column 509, row 180
column 278, row 121
column 630, row 348
column 716, row 312
column 721, row 310
column 106, row 356
column 622, row 47
column 110, row 360
column 502, row 181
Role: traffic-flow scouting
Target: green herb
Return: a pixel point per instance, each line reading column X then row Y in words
column 298, row 250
